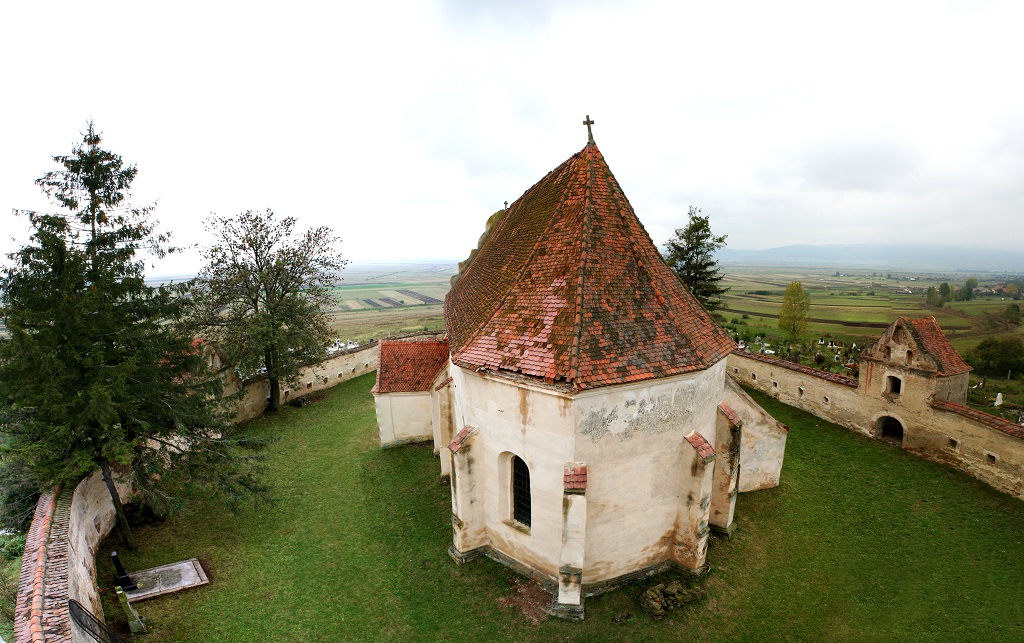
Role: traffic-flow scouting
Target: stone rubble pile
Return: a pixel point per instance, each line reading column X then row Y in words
column 662, row 599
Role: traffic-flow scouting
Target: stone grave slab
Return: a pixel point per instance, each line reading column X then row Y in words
column 167, row 579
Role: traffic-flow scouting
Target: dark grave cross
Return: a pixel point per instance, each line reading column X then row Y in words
column 590, row 134
column 124, row 581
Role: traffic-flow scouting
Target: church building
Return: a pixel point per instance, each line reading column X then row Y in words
column 583, row 410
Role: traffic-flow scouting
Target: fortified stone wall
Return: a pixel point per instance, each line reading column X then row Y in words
column 60, row 561
column 989, row 448
column 335, row 369
column 67, row 528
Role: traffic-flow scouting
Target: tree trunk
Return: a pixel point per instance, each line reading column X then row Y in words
column 122, row 520
column 275, row 383
column 275, row 394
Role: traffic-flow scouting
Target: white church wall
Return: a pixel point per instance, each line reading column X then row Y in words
column 632, row 439
column 763, row 441
column 535, row 425
column 403, row 418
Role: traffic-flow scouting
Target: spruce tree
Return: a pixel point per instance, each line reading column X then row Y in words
column 97, row 372
column 690, row 253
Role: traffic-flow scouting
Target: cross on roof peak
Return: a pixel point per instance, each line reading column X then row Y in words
column 590, row 133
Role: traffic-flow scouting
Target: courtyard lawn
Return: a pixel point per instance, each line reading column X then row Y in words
column 861, row 541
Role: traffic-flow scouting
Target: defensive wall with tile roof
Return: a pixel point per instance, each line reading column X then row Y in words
column 913, row 375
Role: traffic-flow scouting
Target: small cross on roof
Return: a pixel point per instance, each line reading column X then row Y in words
column 590, row 133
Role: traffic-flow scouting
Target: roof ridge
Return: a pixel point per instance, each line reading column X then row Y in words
column 588, row 202
column 533, row 251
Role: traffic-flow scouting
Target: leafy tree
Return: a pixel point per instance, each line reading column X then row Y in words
column 262, row 294
column 945, row 292
column 96, row 372
column 690, row 253
column 1013, row 313
column 795, row 312
column 997, row 355
column 932, row 297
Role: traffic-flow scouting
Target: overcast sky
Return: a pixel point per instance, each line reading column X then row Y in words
column 404, row 125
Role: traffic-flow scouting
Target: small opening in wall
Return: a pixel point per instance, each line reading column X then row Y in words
column 888, row 353
column 799, row 391
column 353, row 369
column 910, row 356
column 753, row 376
column 893, row 385
column 309, row 384
column 775, row 384
column 826, row 401
column 366, row 365
column 339, row 375
column 953, row 444
column 735, row 370
column 991, row 457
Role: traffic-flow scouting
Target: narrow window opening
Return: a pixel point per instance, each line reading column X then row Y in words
column 775, row 385
column 521, row 500
column 910, row 356
column 309, row 384
column 953, row 444
column 800, row 391
column 991, row 457
column 735, row 370
column 753, row 376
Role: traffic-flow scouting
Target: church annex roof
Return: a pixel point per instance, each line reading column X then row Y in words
column 568, row 286
column 934, row 342
column 409, row 365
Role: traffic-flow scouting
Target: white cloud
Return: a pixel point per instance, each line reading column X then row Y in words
column 404, row 125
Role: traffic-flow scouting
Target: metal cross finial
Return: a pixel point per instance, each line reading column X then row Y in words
column 506, row 205
column 590, row 134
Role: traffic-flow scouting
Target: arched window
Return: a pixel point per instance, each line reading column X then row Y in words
column 521, row 503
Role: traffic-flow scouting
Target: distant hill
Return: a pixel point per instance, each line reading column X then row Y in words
column 882, row 257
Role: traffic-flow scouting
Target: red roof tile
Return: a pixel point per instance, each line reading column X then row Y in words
column 409, row 365
column 981, row 417
column 934, row 342
column 461, row 438
column 800, row 368
column 732, row 416
column 705, row 451
column 567, row 285
column 574, row 476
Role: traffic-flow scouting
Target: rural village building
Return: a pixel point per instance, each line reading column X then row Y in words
column 579, row 399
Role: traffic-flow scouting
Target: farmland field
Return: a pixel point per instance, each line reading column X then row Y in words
column 375, row 301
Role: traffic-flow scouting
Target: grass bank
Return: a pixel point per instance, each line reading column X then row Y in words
column 861, row 541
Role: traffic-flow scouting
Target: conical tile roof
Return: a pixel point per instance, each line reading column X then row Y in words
column 568, row 286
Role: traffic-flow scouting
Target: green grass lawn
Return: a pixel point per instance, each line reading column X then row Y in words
column 860, row 542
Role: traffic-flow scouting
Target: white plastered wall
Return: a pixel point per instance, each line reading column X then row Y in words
column 639, row 466
column 535, row 425
column 403, row 417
